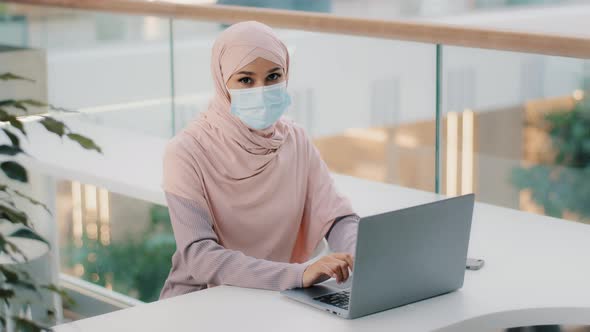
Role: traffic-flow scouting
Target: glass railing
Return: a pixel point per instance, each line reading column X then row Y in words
column 370, row 114
column 399, row 9
column 516, row 130
column 511, row 127
column 119, row 242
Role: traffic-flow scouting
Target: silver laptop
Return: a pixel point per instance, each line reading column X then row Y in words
column 401, row 257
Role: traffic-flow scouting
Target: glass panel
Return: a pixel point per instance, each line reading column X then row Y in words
column 14, row 28
column 371, row 112
column 192, row 72
column 115, row 69
column 114, row 72
column 516, row 130
column 115, row 241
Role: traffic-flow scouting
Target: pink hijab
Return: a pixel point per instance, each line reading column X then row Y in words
column 268, row 193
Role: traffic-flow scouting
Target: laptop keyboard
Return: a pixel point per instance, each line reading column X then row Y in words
column 339, row 299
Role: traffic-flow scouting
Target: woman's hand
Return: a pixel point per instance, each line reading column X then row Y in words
column 335, row 265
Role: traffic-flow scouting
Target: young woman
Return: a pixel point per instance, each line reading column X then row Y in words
column 249, row 195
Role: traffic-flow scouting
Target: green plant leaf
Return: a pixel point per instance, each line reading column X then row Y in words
column 61, row 109
column 13, row 103
column 6, row 293
column 22, row 103
column 20, row 106
column 13, row 215
column 28, row 233
column 30, row 199
column 5, row 116
column 10, row 275
column 13, row 138
column 10, row 150
column 59, row 291
column 18, row 279
column 33, row 102
column 14, row 171
column 10, row 76
column 16, row 123
column 26, row 285
column 10, row 249
column 85, row 142
column 7, row 102
column 53, row 125
column 26, row 325
column 19, row 274
column 8, row 200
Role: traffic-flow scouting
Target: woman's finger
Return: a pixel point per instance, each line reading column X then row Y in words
column 335, row 267
column 346, row 257
column 341, row 268
column 322, row 274
column 344, row 267
column 328, row 270
column 345, row 262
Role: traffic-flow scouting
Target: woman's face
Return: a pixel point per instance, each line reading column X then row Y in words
column 257, row 73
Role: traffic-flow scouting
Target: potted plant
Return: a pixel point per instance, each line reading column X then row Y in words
column 15, row 282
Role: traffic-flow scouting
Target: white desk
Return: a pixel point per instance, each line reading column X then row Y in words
column 537, row 268
column 536, row 272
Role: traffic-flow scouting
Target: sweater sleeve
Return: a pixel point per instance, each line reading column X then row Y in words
column 342, row 235
column 207, row 262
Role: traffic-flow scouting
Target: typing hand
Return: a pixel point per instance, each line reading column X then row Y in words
column 335, row 265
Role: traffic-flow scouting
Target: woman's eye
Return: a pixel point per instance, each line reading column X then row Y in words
column 245, row 80
column 273, row 77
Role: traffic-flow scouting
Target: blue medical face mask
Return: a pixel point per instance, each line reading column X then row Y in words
column 259, row 108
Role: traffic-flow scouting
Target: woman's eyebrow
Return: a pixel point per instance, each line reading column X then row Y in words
column 250, row 73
